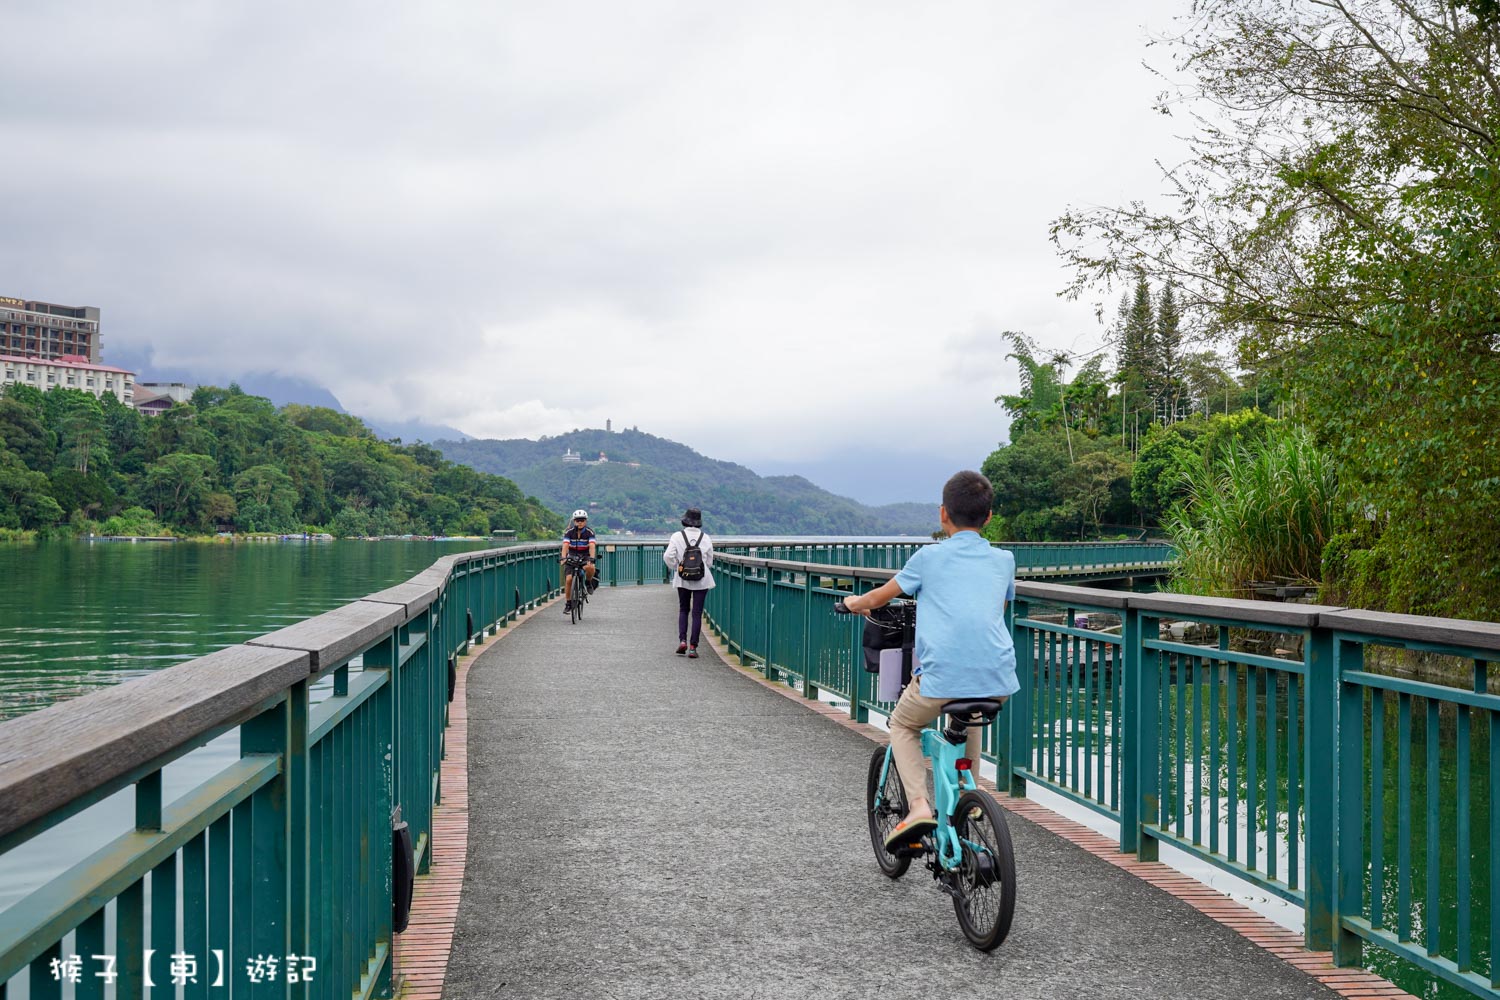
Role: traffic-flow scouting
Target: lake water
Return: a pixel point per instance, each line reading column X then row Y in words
column 77, row 616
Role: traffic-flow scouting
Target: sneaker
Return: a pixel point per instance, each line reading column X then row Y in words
column 593, row 585
column 692, row 652
column 681, row 648
column 567, row 607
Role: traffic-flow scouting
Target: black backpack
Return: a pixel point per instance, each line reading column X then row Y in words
column 690, row 566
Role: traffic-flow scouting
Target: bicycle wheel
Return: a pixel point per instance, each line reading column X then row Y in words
column 884, row 817
column 577, row 598
column 986, row 876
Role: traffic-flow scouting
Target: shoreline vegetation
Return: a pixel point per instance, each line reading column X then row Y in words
column 226, row 462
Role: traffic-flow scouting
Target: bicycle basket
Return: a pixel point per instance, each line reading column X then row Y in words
column 891, row 627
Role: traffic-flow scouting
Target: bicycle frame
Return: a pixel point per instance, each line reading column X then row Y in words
column 579, row 578
column 948, row 783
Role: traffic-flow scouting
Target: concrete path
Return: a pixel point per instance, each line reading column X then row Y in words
column 646, row 826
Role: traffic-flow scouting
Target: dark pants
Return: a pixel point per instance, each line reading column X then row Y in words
column 686, row 597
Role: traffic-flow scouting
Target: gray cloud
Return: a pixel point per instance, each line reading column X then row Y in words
column 444, row 211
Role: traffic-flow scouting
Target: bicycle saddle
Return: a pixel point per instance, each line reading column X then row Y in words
column 962, row 710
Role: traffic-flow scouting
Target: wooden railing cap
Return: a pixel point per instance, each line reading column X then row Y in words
column 335, row 636
column 415, row 596
column 1415, row 628
column 1256, row 612
column 67, row 750
column 1062, row 593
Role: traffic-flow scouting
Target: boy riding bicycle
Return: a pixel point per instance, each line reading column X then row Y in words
column 578, row 543
column 963, row 649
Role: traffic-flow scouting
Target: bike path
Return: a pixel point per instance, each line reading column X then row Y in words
column 643, row 825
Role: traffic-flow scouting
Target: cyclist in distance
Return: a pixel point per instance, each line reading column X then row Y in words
column 963, row 649
column 578, row 542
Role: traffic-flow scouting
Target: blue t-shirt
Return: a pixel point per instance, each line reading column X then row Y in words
column 961, row 586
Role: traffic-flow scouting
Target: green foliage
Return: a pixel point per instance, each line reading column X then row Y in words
column 1162, row 472
column 1337, row 220
column 1041, row 387
column 133, row 521
column 231, row 460
column 22, row 429
column 1041, row 495
column 1260, row 514
column 25, row 500
column 266, row 499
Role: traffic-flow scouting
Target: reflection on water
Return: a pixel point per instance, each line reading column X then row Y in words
column 76, row 616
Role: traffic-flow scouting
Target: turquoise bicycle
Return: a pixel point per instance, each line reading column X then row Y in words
column 969, row 852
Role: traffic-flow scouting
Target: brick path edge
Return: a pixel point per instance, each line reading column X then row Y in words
column 420, row 956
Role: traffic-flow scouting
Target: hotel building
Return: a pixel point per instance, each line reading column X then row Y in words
column 44, row 330
column 72, row 372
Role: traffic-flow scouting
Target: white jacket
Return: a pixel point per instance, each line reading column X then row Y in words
column 677, row 545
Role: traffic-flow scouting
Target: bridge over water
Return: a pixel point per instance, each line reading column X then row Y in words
column 638, row 824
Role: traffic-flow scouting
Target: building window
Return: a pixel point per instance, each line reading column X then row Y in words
column 72, row 379
column 90, row 382
column 31, row 376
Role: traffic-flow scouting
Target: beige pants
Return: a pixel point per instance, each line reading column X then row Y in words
column 912, row 714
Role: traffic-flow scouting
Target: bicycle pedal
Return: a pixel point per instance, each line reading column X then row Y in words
column 914, row 849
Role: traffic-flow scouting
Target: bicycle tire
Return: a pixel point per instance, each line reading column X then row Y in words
column 985, row 900
column 884, row 820
column 577, row 600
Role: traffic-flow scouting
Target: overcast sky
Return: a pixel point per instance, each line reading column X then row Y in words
column 784, row 233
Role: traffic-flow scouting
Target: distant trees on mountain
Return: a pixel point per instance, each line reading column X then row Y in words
column 70, row 461
column 650, row 496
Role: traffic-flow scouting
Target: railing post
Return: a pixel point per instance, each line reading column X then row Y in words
column 740, row 618
column 809, row 689
column 1140, row 796
column 1013, row 740
column 1334, row 801
column 276, row 904
column 770, row 618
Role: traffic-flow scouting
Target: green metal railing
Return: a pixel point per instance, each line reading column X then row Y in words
column 1032, row 558
column 1247, row 734
column 286, row 852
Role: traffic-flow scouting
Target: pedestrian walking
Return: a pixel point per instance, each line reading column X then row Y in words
column 690, row 555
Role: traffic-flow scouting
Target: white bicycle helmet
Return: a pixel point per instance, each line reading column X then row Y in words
column 581, row 513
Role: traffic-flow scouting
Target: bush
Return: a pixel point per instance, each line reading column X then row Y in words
column 133, row 521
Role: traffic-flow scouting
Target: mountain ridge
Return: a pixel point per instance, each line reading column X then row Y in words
column 645, row 482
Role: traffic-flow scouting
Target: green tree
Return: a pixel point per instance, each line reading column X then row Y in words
column 266, row 500
column 1091, row 486
column 87, row 493
column 1169, row 365
column 178, row 488
column 1162, row 471
column 1338, row 217
column 83, row 439
column 25, row 500
column 1041, row 387
column 22, row 429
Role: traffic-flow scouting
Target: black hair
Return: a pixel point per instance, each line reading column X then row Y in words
column 968, row 496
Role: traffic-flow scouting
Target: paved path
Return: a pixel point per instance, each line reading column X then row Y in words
column 646, row 826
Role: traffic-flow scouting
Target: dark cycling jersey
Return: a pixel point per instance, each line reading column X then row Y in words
column 578, row 539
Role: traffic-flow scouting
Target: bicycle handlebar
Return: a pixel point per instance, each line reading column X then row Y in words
column 840, row 608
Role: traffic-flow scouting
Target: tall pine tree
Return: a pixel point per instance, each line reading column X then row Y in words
column 1136, row 337
column 1170, row 365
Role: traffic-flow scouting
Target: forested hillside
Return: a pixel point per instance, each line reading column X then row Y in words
column 647, row 481
column 72, row 462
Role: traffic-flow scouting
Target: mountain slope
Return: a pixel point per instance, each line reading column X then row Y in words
column 647, row 482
